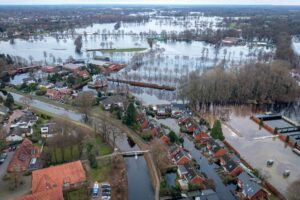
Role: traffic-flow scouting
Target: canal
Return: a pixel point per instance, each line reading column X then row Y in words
column 139, row 180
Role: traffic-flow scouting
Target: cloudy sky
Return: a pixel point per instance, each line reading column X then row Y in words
column 239, row 2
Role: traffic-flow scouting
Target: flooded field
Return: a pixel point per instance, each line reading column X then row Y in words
column 244, row 135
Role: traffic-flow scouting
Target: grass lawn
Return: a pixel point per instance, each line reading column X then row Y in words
column 79, row 194
column 119, row 50
column 102, row 173
column 104, row 149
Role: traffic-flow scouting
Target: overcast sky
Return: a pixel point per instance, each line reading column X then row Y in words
column 238, row 2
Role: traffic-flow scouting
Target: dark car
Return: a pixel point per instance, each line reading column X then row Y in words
column 3, row 156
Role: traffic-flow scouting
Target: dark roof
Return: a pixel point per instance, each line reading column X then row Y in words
column 209, row 194
column 191, row 172
column 214, row 145
column 113, row 99
column 250, row 187
column 181, row 154
column 230, row 165
column 28, row 116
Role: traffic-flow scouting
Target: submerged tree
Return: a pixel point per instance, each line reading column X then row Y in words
column 78, row 44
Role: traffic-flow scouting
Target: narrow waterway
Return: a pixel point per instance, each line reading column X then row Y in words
column 139, row 180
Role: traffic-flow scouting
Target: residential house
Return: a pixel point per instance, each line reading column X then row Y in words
column 215, row 149
column 27, row 120
column 50, row 69
column 58, row 94
column 51, row 182
column 98, row 81
column 144, row 123
column 191, row 127
column 73, row 66
column 175, row 149
column 200, row 135
column 178, row 109
column 163, row 110
column 4, row 110
column 49, row 130
column 190, row 174
column 81, row 73
column 164, row 135
column 250, row 188
column 182, row 157
column 154, row 128
column 23, row 155
column 115, row 100
column 230, row 166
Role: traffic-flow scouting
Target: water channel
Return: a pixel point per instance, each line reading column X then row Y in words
column 139, row 180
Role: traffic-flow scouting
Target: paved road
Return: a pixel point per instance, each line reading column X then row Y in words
column 141, row 178
column 4, row 165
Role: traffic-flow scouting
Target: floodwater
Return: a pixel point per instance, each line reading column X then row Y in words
column 241, row 133
column 171, row 60
column 222, row 191
column 139, row 180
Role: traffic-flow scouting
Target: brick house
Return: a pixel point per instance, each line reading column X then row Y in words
column 190, row 174
column 22, row 157
column 250, row 189
column 49, row 183
column 182, row 157
column 165, row 139
column 215, row 149
column 201, row 137
column 230, row 166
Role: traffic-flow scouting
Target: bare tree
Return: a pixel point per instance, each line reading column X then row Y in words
column 84, row 101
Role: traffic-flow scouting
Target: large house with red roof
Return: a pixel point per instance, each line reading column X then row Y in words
column 49, row 183
column 23, row 157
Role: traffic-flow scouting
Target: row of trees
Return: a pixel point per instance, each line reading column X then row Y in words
column 257, row 82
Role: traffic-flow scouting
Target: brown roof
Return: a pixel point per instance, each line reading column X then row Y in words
column 51, row 194
column 55, row 176
column 24, row 153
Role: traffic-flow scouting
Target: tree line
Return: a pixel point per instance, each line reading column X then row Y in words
column 257, row 82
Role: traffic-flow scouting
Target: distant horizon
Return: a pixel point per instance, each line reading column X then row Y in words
column 156, row 2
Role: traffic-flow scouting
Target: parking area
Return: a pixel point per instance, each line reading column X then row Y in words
column 250, row 141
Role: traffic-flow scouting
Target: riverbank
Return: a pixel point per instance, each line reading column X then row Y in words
column 76, row 117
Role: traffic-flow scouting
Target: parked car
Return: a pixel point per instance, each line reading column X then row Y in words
column 105, row 191
column 3, row 155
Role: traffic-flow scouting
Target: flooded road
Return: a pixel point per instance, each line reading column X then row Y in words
column 221, row 190
column 240, row 133
column 139, row 180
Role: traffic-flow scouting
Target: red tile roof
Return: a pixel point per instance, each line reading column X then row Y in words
column 51, row 194
column 56, row 176
column 24, row 153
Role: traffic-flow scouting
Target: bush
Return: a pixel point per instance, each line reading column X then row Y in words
column 41, row 92
column 147, row 135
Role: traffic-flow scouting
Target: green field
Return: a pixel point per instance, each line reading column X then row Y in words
column 118, row 50
column 102, row 172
